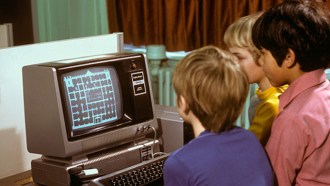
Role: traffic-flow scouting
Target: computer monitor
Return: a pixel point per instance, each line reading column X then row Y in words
column 81, row 106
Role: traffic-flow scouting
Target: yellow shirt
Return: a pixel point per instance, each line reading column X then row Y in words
column 265, row 112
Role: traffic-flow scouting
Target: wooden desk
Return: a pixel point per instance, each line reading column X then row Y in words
column 21, row 179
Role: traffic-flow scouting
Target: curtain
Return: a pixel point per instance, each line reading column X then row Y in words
column 65, row 19
column 180, row 25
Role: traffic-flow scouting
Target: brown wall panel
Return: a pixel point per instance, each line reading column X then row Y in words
column 18, row 12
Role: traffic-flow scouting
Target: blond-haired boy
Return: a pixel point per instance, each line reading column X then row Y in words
column 264, row 106
column 211, row 90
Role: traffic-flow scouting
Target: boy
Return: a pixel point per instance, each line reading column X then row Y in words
column 294, row 38
column 264, row 107
column 211, row 90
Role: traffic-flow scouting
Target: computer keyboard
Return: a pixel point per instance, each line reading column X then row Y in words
column 148, row 172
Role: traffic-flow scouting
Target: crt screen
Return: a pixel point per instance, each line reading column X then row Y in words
column 93, row 97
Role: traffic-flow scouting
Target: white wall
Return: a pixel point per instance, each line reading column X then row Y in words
column 14, row 157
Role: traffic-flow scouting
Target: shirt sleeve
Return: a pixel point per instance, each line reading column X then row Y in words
column 286, row 149
column 263, row 119
column 175, row 173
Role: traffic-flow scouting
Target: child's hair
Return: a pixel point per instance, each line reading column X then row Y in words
column 239, row 34
column 214, row 86
column 301, row 25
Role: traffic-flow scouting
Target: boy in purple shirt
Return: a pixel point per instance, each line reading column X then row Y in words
column 294, row 38
column 211, row 91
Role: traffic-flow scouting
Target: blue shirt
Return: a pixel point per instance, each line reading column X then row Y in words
column 234, row 157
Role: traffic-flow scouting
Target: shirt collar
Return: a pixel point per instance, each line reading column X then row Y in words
column 276, row 91
column 305, row 81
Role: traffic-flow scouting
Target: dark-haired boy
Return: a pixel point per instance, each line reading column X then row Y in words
column 294, row 38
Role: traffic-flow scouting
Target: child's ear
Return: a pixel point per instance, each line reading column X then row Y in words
column 290, row 59
column 183, row 104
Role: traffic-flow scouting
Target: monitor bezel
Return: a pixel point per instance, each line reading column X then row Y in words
column 126, row 119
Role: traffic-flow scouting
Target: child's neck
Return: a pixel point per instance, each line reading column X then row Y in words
column 195, row 123
column 198, row 128
column 264, row 84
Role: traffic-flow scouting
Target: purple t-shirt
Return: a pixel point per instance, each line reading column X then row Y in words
column 234, row 157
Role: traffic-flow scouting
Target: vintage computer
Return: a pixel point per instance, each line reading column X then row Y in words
column 89, row 117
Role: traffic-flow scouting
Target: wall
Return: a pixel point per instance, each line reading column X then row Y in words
column 48, row 20
column 18, row 13
column 64, row 19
